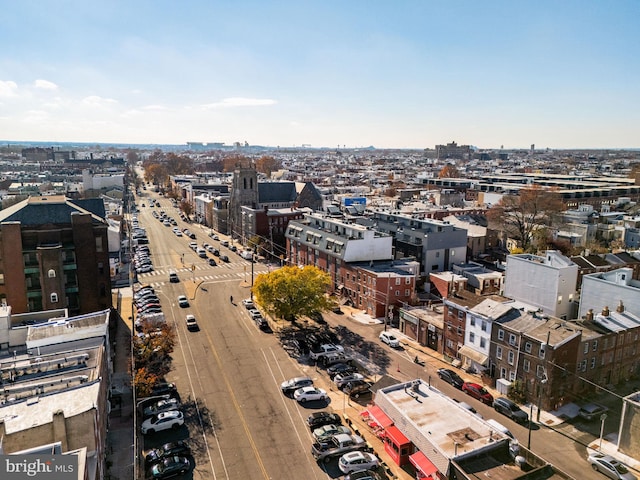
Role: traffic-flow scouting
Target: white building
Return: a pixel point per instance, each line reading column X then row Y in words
column 548, row 282
column 608, row 289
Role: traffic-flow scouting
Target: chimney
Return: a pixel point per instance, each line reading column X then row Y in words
column 589, row 316
column 620, row 308
column 605, row 311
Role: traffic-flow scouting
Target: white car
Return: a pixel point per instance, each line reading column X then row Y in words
column 248, row 303
column 342, row 379
column 611, row 467
column 163, row 421
column 183, row 301
column 355, row 461
column 325, row 432
column 310, row 394
column 325, row 349
column 192, row 323
column 390, row 339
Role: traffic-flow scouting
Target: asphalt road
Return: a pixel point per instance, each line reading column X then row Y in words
column 228, row 373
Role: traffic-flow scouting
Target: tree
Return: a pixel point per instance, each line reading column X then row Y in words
column 293, row 291
column 186, row 208
column 155, row 173
column 520, row 215
column 449, row 171
column 179, row 165
column 267, row 165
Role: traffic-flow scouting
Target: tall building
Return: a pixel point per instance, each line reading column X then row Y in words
column 243, row 193
column 54, row 253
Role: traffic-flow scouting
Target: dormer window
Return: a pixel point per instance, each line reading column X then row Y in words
column 51, row 273
column 54, row 298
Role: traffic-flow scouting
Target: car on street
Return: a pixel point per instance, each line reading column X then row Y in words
column 154, row 455
column 450, row 377
column 170, row 466
column 163, row 388
column 325, row 349
column 354, row 461
column 510, row 409
column 340, row 368
column 390, row 339
column 212, row 262
column 192, row 323
column 224, row 258
column 319, row 419
column 248, row 303
column 310, row 394
column 592, row 411
column 321, row 434
column 293, row 384
column 163, row 421
column 363, row 475
column 173, row 277
column 183, row 301
column 160, row 406
column 357, row 388
column 609, row 466
column 342, row 379
column 255, row 314
column 478, row 392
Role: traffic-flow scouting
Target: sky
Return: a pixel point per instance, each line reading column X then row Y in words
column 343, row 73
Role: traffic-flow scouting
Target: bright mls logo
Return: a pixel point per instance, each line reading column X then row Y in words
column 49, row 467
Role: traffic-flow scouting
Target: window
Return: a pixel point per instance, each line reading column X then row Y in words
column 542, row 349
column 540, row 371
column 503, row 373
column 398, row 281
column 512, row 375
column 512, row 339
column 483, row 342
column 54, row 298
column 450, row 310
column 511, row 357
column 407, row 293
column 407, row 281
column 593, row 363
column 586, row 347
column 449, row 343
column 98, row 244
column 484, row 326
column 472, row 321
column 437, row 254
column 500, row 334
column 472, row 337
column 526, row 365
column 527, row 347
column 499, row 353
column 51, row 273
column 460, row 314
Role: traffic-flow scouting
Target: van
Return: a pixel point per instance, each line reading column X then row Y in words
column 498, row 427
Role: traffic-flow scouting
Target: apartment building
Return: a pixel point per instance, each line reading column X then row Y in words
column 547, row 282
column 606, row 289
column 54, row 253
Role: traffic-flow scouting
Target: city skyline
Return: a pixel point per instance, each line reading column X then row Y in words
column 408, row 74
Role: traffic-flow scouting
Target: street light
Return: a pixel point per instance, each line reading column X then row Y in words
column 603, row 417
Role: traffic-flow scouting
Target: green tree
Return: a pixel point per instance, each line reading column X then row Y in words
column 290, row 292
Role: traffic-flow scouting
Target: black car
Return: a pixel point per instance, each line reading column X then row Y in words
column 212, row 262
column 450, row 377
column 363, row 475
column 340, row 368
column 163, row 388
column 357, row 388
column 224, row 258
column 320, row 419
column 155, row 455
column 508, row 408
column 170, row 466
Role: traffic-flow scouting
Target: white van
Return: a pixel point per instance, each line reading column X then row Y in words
column 498, row 427
column 247, row 254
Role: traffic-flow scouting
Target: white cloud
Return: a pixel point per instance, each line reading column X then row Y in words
column 96, row 101
column 233, row 102
column 8, row 88
column 45, row 84
column 155, row 107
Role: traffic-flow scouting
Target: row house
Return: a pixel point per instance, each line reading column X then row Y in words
column 600, row 289
column 358, row 260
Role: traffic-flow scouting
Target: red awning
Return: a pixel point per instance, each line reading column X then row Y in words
column 396, row 436
column 379, row 416
column 422, row 463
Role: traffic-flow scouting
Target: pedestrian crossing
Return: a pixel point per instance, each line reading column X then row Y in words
column 161, row 276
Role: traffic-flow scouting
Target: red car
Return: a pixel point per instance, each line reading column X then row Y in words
column 478, row 392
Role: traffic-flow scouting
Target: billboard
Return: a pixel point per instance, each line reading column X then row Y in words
column 354, row 201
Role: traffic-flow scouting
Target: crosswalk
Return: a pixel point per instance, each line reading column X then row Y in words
column 160, row 277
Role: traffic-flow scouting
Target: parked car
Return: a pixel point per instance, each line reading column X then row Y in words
column 160, row 406
column 183, row 301
column 611, row 467
column 248, row 303
column 163, row 421
column 478, row 392
column 192, row 324
column 340, row 368
column 318, row 419
column 255, row 314
column 170, row 466
column 390, row 339
column 357, row 388
column 321, row 434
column 450, row 377
column 310, row 394
column 363, row 475
column 592, row 411
column 325, row 349
column 224, row 258
column 354, row 461
column 212, row 262
column 510, row 409
column 293, row 384
column 342, row 379
column 154, row 455
column 163, row 388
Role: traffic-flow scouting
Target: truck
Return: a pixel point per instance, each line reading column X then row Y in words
column 325, row 349
column 336, row 446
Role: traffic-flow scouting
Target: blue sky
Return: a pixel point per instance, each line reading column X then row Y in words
column 392, row 74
